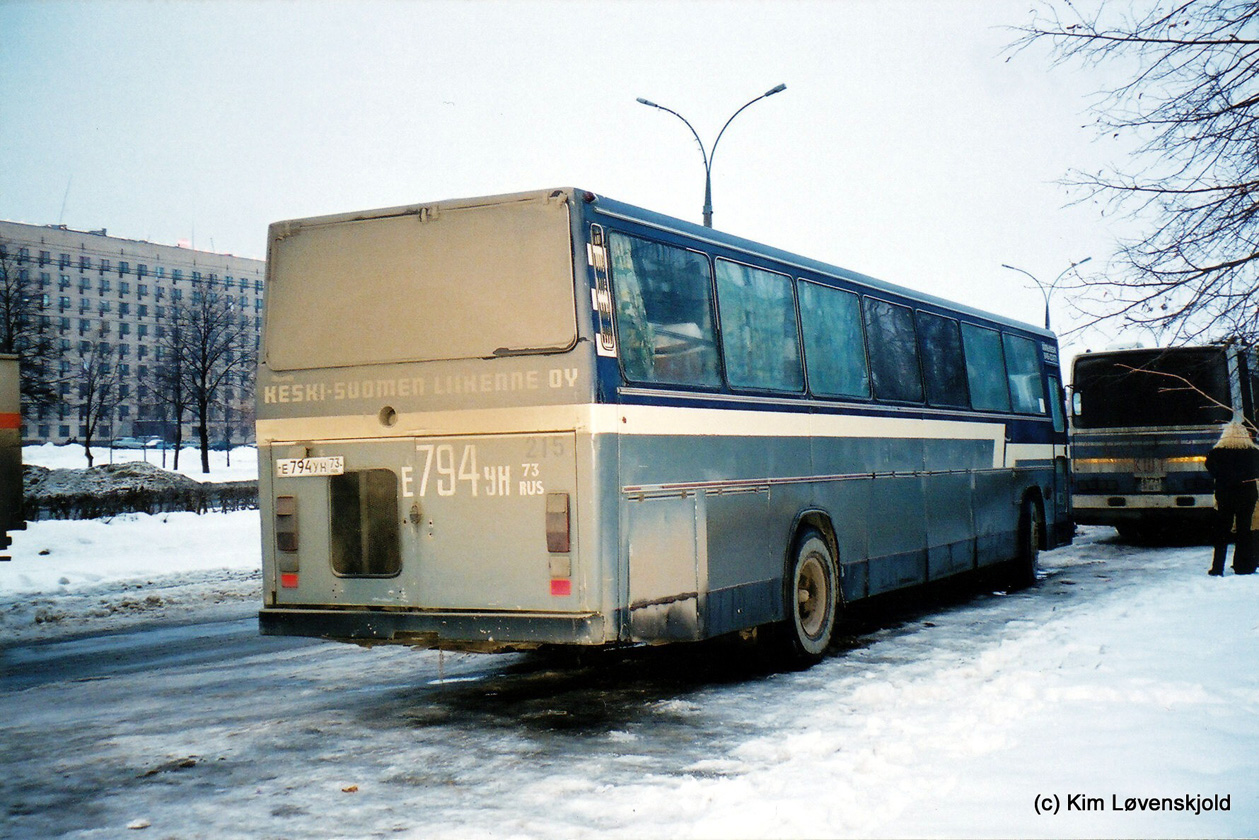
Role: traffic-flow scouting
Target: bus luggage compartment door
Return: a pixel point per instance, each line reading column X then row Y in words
column 665, row 545
column 493, row 523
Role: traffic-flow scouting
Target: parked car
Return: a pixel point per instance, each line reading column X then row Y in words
column 136, row 443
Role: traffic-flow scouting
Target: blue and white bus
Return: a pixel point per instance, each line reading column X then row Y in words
column 552, row 418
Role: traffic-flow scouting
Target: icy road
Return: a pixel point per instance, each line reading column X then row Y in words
column 1127, row 680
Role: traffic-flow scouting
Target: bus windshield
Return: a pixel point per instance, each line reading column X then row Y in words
column 1156, row 388
column 448, row 282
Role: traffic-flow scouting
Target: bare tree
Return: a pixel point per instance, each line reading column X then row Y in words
column 25, row 327
column 97, row 377
column 216, row 348
column 1188, row 96
column 167, row 383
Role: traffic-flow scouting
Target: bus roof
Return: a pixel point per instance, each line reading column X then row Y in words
column 611, row 207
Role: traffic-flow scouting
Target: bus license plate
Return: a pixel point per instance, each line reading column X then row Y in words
column 1149, row 468
column 291, row 467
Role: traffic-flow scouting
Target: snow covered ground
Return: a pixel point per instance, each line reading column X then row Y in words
column 1127, row 677
column 75, row 576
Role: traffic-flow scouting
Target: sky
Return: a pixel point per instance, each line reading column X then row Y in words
column 909, row 144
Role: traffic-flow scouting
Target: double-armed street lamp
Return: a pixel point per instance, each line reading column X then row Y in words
column 708, row 157
column 1048, row 290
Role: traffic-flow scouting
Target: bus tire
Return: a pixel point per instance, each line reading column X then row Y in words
column 1031, row 537
column 810, row 599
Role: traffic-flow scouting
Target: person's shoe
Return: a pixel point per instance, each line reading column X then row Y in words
column 1215, row 572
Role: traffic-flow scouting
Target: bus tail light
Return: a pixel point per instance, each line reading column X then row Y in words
column 558, row 543
column 286, row 540
column 557, row 531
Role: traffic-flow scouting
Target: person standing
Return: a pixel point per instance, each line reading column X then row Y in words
column 1234, row 464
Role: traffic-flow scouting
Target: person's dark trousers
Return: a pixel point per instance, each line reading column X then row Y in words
column 1235, row 506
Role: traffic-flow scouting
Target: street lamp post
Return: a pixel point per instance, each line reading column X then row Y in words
column 708, row 158
column 1048, row 290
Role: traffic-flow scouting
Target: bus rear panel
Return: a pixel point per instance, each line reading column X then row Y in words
column 11, row 516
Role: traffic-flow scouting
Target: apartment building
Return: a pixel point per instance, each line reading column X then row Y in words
column 100, row 291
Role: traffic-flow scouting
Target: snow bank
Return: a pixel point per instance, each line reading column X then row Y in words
column 243, row 467
column 70, row 576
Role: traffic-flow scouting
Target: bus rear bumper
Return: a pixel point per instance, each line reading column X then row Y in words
column 1122, row 509
column 466, row 631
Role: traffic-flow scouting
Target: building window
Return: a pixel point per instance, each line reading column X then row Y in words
column 63, row 281
column 124, row 309
column 177, row 274
column 44, row 258
column 123, row 268
column 142, row 290
column 104, row 285
column 63, row 261
column 124, row 328
column 142, row 310
column 124, row 288
column 142, row 270
column 143, row 330
column 85, row 263
column 63, row 303
column 104, row 265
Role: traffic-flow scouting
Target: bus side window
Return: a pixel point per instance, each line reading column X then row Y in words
column 985, row 369
column 834, row 341
column 664, row 315
column 942, row 366
column 893, row 351
column 1027, row 387
column 759, row 338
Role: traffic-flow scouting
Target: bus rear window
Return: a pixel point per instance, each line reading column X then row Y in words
column 365, row 524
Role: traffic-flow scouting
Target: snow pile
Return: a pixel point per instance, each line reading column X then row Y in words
column 43, row 483
column 241, row 464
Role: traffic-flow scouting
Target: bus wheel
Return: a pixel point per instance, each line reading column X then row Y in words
column 1031, row 537
column 812, row 599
